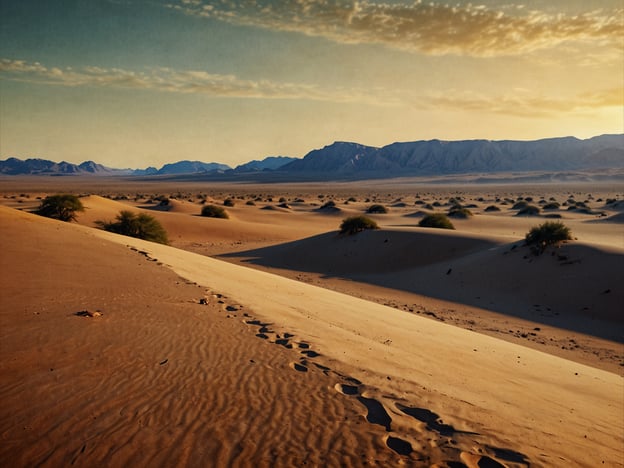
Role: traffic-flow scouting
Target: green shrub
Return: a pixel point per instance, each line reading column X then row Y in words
column 436, row 220
column 549, row 233
column 355, row 224
column 62, row 207
column 529, row 210
column 214, row 211
column 141, row 226
column 459, row 212
column 380, row 209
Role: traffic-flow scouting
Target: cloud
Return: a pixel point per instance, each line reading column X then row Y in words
column 518, row 102
column 176, row 81
column 427, row 28
column 523, row 103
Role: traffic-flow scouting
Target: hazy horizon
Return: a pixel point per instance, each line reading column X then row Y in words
column 144, row 83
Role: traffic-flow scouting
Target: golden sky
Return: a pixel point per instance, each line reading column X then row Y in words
column 136, row 83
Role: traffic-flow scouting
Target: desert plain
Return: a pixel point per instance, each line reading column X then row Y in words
column 269, row 339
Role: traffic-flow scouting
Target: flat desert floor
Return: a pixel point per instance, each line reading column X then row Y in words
column 268, row 339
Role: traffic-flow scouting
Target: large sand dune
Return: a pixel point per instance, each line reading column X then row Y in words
column 160, row 379
column 195, row 361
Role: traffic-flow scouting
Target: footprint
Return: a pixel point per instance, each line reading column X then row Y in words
column 262, row 335
column 303, row 345
column 400, row 446
column 377, row 414
column 283, row 342
column 310, row 353
column 479, row 461
column 326, row 370
column 298, row 367
column 347, row 389
column 508, row 455
column 432, row 420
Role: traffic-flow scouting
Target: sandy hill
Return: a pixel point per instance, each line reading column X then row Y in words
column 190, row 384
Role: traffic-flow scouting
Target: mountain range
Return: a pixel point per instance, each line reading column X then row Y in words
column 354, row 160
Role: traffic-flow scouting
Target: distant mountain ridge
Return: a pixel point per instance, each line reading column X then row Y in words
column 270, row 163
column 437, row 157
column 353, row 160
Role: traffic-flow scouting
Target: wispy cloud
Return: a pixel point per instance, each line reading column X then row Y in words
column 518, row 102
column 180, row 81
column 523, row 103
column 428, row 28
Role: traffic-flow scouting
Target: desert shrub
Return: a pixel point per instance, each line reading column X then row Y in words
column 355, row 224
column 492, row 208
column 379, row 209
column 551, row 206
column 436, row 220
column 328, row 204
column 529, row 210
column 351, row 199
column 141, row 226
column 62, row 207
column 250, row 203
column 549, row 233
column 520, row 205
column 459, row 212
column 214, row 211
column 228, row 202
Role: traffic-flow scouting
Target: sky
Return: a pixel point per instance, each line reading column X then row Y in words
column 137, row 83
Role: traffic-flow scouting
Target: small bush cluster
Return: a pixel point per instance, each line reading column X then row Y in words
column 214, row 211
column 355, row 224
column 436, row 220
column 520, row 205
column 459, row 212
column 549, row 233
column 529, row 210
column 379, row 209
column 141, row 226
column 62, row 207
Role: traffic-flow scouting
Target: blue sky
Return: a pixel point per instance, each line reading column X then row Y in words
column 132, row 83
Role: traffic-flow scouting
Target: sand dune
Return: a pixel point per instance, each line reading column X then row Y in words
column 380, row 251
column 157, row 379
column 429, row 358
column 209, row 362
column 576, row 286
